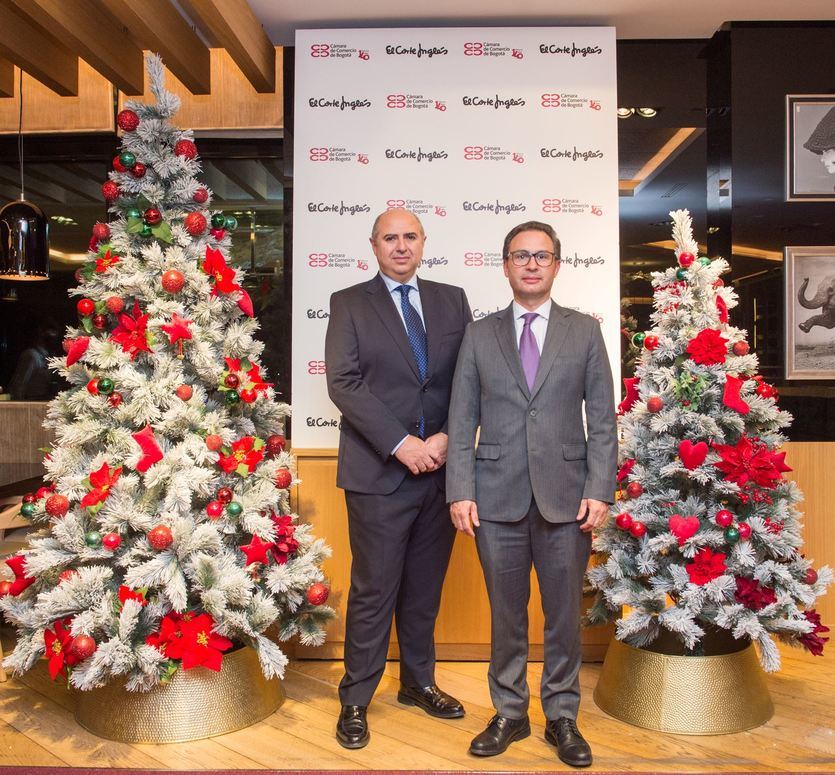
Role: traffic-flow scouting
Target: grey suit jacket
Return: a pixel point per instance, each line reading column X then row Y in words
column 532, row 442
column 373, row 378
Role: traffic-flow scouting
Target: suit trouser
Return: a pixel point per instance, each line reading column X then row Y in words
column 560, row 554
column 400, row 546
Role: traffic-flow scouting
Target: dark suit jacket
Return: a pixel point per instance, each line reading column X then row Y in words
column 373, row 378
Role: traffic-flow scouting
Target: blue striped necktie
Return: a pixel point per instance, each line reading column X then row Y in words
column 417, row 338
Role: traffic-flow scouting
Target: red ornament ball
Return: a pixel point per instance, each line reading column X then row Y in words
column 93, row 386
column 283, row 478
column 655, row 404
column 195, row 224
column 214, row 442
column 686, row 259
column 744, row 530
column 184, row 392
column 127, row 120
column 85, row 307
column 82, row 647
column 114, row 304
column 29, row 497
column 275, row 444
column 115, row 399
column 231, row 381
column 740, row 348
column 111, row 541
column 101, row 231
column 5, row 588
column 764, row 390
column 650, row 341
column 214, row 509
column 185, row 148
column 248, row 395
column 811, row 576
column 317, row 593
column 724, row 518
column 224, row 495
column 57, row 505
column 173, row 281
column 100, row 321
column 152, row 216
column 624, row 520
column 200, row 196
column 218, row 234
column 118, row 166
column 634, row 490
column 66, row 344
column 638, row 529
column 110, row 190
column 66, row 575
column 138, row 170
column 160, row 537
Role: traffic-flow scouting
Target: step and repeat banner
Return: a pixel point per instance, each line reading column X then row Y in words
column 474, row 130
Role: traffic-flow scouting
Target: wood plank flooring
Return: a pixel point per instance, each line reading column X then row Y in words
column 37, row 728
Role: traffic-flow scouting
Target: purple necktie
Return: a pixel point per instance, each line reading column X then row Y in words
column 528, row 349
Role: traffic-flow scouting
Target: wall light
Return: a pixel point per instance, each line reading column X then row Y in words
column 625, row 112
column 646, row 112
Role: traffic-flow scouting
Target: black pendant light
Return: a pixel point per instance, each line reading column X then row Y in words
column 24, row 228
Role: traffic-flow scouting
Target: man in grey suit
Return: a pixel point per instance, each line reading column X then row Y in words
column 536, row 484
column 390, row 350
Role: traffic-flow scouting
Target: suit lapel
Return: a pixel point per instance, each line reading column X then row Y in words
column 431, row 321
column 506, row 334
column 383, row 304
column 555, row 337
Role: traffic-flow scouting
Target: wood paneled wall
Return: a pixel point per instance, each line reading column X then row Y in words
column 21, row 435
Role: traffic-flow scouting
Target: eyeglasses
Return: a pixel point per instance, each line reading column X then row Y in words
column 542, row 257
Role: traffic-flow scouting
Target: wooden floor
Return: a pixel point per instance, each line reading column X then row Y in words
column 38, row 729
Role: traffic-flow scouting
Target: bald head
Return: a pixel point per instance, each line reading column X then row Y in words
column 397, row 240
column 375, row 229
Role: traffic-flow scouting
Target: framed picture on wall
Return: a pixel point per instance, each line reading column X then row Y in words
column 810, row 312
column 810, row 148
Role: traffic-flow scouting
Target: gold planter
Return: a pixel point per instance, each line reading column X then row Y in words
column 196, row 703
column 710, row 695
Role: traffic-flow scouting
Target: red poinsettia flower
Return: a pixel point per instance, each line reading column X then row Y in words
column 706, row 566
column 626, row 469
column 224, row 276
column 102, row 481
column 126, row 593
column 811, row 640
column 197, row 644
column 57, row 648
column 169, row 632
column 752, row 595
column 132, row 332
column 242, row 454
column 746, row 461
column 249, row 377
column 103, row 263
column 284, row 545
column 708, row 347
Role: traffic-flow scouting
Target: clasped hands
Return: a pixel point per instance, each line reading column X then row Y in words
column 421, row 456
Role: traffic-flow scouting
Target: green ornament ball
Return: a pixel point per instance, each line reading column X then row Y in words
column 93, row 539
column 218, row 221
column 704, row 260
column 106, row 385
column 638, row 338
column 133, row 212
column 234, row 509
column 232, row 398
column 230, row 223
column 27, row 509
column 147, row 231
column 731, row 535
column 127, row 159
column 681, row 274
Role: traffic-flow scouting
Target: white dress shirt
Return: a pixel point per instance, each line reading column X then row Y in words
column 539, row 325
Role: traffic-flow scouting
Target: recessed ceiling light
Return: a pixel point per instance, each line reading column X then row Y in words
column 625, row 112
column 646, row 112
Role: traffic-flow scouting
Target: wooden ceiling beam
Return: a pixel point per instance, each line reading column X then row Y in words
column 97, row 39
column 235, row 26
column 6, row 78
column 158, row 26
column 36, row 52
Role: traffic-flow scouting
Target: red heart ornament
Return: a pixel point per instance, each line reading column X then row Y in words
column 692, row 455
column 683, row 527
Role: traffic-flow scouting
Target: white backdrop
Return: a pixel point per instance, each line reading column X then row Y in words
column 475, row 130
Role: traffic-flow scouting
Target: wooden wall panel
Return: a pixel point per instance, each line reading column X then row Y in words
column 21, row 435
column 44, row 111
column 233, row 103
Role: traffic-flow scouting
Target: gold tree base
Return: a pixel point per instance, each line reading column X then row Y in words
column 710, row 695
column 195, row 704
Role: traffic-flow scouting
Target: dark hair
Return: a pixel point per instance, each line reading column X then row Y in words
column 531, row 226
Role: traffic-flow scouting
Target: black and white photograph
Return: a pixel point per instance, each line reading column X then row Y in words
column 810, row 148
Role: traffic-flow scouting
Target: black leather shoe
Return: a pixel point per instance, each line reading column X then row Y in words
column 499, row 734
column 432, row 700
column 352, row 727
column 572, row 747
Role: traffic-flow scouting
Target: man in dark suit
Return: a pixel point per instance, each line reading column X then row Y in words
column 536, row 484
column 390, row 350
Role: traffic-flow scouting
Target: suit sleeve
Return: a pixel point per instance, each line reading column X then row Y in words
column 464, row 419
column 347, row 389
column 602, row 442
column 466, row 319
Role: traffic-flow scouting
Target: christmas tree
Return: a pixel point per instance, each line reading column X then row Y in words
column 705, row 533
column 165, row 535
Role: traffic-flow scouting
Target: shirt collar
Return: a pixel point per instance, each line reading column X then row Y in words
column 543, row 311
column 392, row 284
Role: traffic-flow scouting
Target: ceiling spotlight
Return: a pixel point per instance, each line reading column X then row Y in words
column 625, row 112
column 646, row 112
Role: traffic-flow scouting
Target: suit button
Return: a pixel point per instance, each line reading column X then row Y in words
column 424, row 388
column 533, row 412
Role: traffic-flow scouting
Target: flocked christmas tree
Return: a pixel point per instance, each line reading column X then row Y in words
column 706, row 533
column 165, row 533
